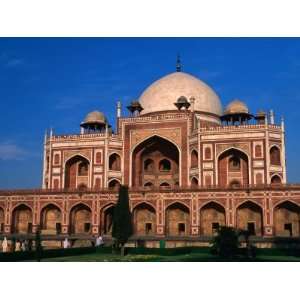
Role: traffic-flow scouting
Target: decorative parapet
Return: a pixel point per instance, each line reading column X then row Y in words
column 238, row 128
column 76, row 137
column 159, row 117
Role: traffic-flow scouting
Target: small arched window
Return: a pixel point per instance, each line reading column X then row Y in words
column 165, row 185
column 194, row 182
column 164, row 165
column 115, row 162
column 114, row 184
column 234, row 163
column 275, row 180
column 234, row 184
column 275, row 156
column 55, row 183
column 207, row 153
column 83, row 168
column 148, row 165
column 82, row 186
column 207, row 180
column 98, row 158
column 259, row 178
column 258, row 152
column 56, row 159
column 194, row 159
column 97, row 183
column 148, row 185
column 47, row 164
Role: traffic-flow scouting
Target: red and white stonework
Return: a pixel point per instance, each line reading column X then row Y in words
column 190, row 166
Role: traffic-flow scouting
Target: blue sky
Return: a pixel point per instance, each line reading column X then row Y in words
column 55, row 82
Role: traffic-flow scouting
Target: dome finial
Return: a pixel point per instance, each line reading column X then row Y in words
column 178, row 64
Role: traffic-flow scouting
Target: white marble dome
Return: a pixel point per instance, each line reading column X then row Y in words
column 163, row 93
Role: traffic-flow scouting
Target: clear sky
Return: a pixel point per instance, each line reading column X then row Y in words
column 55, row 82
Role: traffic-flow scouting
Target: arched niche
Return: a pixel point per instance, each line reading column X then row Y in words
column 164, row 165
column 107, row 214
column 194, row 182
column 80, row 219
column 275, row 156
column 149, row 165
column 233, row 165
column 164, row 185
column 194, row 159
column 177, row 220
column 51, row 218
column 258, row 151
column 287, row 219
column 77, row 172
column 114, row 184
column 212, row 216
column 249, row 216
column 115, row 162
column 22, row 219
column 148, row 185
column 275, row 180
column 144, row 219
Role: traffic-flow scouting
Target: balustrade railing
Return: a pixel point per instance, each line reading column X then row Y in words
column 238, row 127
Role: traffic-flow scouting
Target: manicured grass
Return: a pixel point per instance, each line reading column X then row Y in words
column 191, row 257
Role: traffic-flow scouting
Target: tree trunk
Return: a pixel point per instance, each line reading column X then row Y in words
column 122, row 250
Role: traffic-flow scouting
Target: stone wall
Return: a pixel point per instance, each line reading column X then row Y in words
column 188, row 212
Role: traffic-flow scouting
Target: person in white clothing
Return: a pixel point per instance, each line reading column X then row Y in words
column 66, row 243
column 4, row 245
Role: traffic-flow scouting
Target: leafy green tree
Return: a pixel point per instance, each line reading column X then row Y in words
column 226, row 243
column 122, row 222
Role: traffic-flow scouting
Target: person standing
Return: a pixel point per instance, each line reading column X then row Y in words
column 5, row 245
column 18, row 246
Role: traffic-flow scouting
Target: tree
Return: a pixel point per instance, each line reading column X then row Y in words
column 38, row 244
column 122, row 222
column 226, row 243
column 250, row 251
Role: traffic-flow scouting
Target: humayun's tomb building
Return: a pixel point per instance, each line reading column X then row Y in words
column 190, row 166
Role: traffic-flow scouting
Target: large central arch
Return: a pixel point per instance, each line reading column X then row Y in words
column 156, row 161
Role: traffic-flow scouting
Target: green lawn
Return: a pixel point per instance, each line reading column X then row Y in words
column 192, row 257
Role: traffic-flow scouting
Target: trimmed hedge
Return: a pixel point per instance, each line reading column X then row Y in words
column 278, row 251
column 168, row 251
column 49, row 253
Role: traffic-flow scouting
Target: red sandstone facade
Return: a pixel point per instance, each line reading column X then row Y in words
column 190, row 169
